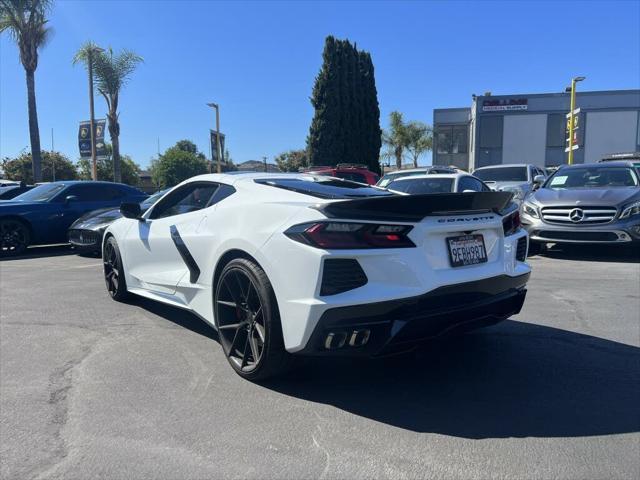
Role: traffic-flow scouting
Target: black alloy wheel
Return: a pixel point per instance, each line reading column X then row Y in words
column 14, row 237
column 113, row 272
column 248, row 324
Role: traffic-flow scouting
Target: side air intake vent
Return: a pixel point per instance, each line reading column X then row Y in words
column 341, row 275
column 521, row 252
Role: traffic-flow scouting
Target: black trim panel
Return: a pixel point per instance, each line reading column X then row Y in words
column 411, row 208
column 194, row 270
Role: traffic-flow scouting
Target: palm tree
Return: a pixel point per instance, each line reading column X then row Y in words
column 111, row 73
column 419, row 138
column 395, row 138
column 26, row 22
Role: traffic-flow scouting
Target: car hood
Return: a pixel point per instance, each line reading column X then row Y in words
column 97, row 218
column 587, row 196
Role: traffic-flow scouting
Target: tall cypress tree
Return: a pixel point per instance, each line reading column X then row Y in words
column 346, row 124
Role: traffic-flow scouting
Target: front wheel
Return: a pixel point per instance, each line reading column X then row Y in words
column 246, row 314
column 14, row 237
column 114, row 271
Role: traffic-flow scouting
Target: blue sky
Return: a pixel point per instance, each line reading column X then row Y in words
column 258, row 60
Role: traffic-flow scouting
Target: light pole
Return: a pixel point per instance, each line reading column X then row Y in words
column 218, row 153
column 92, row 133
column 574, row 81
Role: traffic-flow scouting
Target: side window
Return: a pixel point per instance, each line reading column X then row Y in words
column 113, row 193
column 469, row 183
column 94, row 192
column 188, row 198
column 88, row 193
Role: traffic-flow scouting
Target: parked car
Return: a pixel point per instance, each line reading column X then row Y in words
column 85, row 234
column 588, row 203
column 347, row 171
column 8, row 193
column 438, row 183
column 518, row 179
column 8, row 183
column 43, row 215
column 295, row 264
column 389, row 177
column 633, row 157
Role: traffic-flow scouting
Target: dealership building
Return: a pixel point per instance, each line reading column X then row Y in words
column 502, row 129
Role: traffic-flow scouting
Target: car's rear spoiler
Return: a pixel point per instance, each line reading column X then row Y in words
column 409, row 208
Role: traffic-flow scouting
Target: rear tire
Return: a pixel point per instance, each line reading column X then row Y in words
column 114, row 271
column 248, row 321
column 14, row 237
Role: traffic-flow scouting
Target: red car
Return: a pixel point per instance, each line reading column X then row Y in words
column 348, row 171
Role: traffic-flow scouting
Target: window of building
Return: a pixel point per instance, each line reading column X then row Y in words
column 556, row 125
column 491, row 131
column 451, row 139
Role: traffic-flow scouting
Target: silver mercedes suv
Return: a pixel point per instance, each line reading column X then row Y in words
column 588, row 203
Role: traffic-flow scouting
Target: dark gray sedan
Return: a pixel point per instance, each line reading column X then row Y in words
column 85, row 235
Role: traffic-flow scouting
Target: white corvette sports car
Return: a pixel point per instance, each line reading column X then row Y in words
column 295, row 264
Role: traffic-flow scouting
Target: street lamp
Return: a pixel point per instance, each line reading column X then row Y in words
column 91, row 49
column 218, row 153
column 572, row 113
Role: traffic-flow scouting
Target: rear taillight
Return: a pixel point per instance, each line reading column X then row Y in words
column 511, row 223
column 347, row 235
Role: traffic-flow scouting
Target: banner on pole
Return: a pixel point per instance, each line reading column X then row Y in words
column 84, row 138
column 214, row 147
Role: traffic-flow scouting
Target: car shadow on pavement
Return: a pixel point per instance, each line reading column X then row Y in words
column 594, row 253
column 511, row 380
column 180, row 317
column 41, row 252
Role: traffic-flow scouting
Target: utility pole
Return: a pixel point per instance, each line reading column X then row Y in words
column 92, row 133
column 218, row 152
column 264, row 159
column 572, row 114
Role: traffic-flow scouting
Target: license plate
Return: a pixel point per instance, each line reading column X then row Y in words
column 466, row 250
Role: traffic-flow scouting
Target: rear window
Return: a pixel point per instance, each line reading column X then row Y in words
column 390, row 177
column 353, row 176
column 502, row 174
column 321, row 188
column 422, row 185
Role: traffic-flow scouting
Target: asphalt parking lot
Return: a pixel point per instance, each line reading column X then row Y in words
column 90, row 388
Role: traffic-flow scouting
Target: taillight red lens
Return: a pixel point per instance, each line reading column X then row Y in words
column 345, row 235
column 511, row 223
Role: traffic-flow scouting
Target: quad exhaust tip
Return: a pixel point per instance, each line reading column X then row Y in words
column 336, row 340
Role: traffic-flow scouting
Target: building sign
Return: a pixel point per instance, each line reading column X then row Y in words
column 84, row 139
column 505, row 105
column 214, row 146
column 576, row 129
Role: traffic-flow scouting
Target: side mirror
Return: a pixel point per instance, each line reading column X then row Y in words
column 131, row 210
column 539, row 179
column 70, row 198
